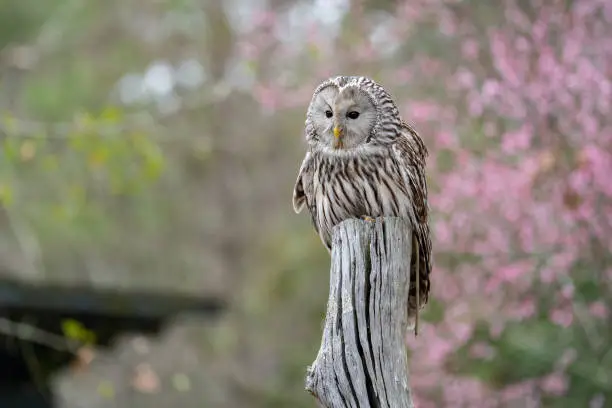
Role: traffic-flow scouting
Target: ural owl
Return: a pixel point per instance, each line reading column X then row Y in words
column 364, row 161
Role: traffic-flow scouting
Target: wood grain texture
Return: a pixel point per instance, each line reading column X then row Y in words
column 362, row 360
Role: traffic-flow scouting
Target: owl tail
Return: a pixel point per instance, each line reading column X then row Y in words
column 415, row 242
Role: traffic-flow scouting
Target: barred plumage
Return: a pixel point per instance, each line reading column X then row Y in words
column 363, row 160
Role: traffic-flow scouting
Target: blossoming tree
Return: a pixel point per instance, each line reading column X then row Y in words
column 513, row 100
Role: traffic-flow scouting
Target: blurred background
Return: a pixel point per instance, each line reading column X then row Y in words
column 149, row 253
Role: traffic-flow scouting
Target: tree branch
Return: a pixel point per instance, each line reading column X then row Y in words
column 27, row 332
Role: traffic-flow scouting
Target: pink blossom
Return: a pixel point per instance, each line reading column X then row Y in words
column 423, row 110
column 438, row 349
column 469, row 49
column 567, row 291
column 490, row 89
column 518, row 391
column 267, row 97
column 562, row 316
column 496, row 328
column 599, row 309
column 264, row 18
column 482, row 351
column 449, row 289
column 525, row 309
column 517, row 140
column 445, row 139
column 503, row 62
column 447, row 24
column 465, row 78
column 404, row 74
column 463, row 392
column 555, row 384
column 462, row 331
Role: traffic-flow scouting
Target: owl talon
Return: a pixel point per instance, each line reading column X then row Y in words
column 367, row 218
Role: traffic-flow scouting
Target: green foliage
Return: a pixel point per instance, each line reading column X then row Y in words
column 98, row 156
column 525, row 350
column 21, row 20
column 445, row 160
column 434, row 312
column 74, row 330
column 46, row 94
column 64, row 179
column 106, row 389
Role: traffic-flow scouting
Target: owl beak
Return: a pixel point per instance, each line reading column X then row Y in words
column 337, row 132
column 337, row 137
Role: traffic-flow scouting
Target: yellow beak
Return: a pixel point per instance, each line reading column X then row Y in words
column 337, row 132
column 338, row 138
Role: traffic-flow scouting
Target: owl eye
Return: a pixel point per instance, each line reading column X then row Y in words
column 329, row 113
column 352, row 115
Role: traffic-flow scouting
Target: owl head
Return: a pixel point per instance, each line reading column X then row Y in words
column 347, row 113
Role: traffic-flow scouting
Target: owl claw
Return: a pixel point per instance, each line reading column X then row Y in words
column 367, row 218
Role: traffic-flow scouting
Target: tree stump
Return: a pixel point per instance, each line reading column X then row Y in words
column 362, row 360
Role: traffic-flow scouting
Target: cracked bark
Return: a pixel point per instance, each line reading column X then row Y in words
column 362, row 360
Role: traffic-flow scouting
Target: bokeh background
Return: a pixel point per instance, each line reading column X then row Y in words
column 153, row 145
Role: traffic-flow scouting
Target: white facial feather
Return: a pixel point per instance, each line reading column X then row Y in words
column 357, row 130
column 343, row 106
column 322, row 102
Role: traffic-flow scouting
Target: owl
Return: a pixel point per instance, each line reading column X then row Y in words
column 364, row 161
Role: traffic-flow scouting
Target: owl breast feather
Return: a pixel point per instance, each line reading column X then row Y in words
column 351, row 187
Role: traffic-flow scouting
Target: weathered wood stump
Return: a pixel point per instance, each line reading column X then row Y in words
column 362, row 361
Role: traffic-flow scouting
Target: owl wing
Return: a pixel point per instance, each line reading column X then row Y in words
column 303, row 191
column 411, row 153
